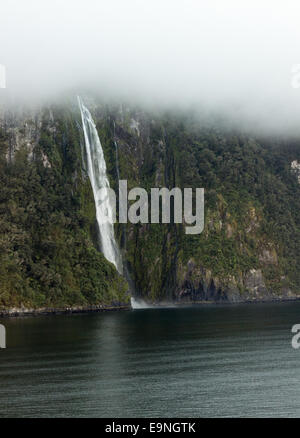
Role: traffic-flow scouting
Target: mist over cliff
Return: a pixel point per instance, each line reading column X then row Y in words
column 237, row 58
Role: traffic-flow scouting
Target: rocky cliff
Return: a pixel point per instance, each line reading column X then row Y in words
column 249, row 247
column 49, row 253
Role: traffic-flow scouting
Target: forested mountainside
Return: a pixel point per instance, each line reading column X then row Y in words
column 49, row 252
column 48, row 238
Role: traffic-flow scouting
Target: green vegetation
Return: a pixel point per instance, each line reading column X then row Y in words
column 48, row 239
column 48, row 255
column 252, row 204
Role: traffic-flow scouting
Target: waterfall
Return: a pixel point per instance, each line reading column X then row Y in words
column 96, row 167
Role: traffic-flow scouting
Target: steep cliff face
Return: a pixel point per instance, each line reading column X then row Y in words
column 48, row 241
column 249, row 247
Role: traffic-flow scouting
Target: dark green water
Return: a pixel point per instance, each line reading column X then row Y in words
column 190, row 362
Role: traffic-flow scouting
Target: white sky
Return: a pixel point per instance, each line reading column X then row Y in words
column 182, row 51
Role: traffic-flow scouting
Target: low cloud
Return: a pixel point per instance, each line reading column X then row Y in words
column 238, row 57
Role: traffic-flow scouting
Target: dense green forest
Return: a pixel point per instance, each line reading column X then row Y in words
column 49, row 250
column 249, row 247
column 49, row 255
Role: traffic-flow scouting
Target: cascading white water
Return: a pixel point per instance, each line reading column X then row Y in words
column 96, row 167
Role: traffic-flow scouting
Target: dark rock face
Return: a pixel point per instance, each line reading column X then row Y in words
column 254, row 289
column 202, row 293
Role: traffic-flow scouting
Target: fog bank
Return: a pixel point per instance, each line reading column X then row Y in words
column 238, row 57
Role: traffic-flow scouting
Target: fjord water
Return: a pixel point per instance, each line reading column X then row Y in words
column 205, row 361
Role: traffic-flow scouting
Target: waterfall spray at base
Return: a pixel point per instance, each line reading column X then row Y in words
column 96, row 167
column 137, row 303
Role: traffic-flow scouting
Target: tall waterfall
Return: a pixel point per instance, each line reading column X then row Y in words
column 96, row 168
